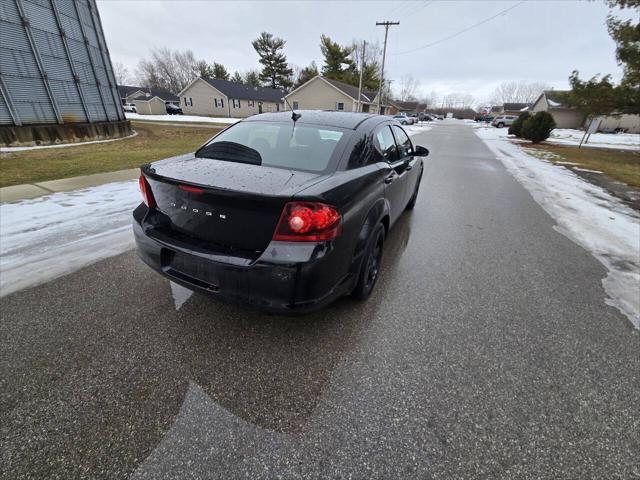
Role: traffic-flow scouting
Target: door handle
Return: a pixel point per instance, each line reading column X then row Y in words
column 409, row 167
column 389, row 179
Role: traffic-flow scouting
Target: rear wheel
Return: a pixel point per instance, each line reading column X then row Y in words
column 501, row 125
column 371, row 265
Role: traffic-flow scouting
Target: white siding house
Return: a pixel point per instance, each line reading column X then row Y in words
column 221, row 98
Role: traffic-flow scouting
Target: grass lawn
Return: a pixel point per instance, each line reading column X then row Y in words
column 153, row 142
column 621, row 165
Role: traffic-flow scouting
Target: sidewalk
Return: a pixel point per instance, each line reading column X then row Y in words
column 33, row 190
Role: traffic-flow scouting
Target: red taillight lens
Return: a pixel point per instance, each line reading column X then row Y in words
column 307, row 222
column 147, row 194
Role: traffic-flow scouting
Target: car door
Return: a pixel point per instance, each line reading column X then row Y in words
column 406, row 155
column 395, row 173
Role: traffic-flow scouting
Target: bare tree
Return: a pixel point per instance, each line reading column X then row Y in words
column 517, row 92
column 407, row 88
column 171, row 70
column 121, row 73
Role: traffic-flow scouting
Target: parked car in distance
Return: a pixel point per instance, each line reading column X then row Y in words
column 173, row 109
column 424, row 117
column 404, row 119
column 280, row 214
column 129, row 107
column 503, row 120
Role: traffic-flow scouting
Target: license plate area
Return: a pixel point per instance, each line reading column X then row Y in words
column 191, row 269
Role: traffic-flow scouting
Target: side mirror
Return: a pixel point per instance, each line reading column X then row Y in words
column 421, row 151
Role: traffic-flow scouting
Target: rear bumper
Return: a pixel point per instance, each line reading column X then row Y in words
column 290, row 278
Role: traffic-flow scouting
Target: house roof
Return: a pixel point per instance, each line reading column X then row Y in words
column 125, row 90
column 241, row 91
column 554, row 98
column 146, row 99
column 514, row 107
column 367, row 96
column 410, row 106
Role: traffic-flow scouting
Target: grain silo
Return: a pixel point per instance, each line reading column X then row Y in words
column 56, row 78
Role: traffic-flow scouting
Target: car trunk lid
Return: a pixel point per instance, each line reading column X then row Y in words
column 226, row 205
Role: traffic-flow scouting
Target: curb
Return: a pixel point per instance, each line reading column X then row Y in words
column 26, row 191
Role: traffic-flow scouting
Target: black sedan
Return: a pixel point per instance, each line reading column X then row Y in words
column 284, row 212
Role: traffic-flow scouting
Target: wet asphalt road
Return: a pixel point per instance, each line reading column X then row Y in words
column 487, row 351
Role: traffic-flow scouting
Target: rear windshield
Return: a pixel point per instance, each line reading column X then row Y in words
column 308, row 147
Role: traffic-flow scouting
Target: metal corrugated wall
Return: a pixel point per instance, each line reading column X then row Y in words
column 54, row 64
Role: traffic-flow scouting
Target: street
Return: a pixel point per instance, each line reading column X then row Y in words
column 486, row 351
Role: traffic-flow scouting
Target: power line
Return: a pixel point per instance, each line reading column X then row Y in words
column 464, row 30
column 424, row 4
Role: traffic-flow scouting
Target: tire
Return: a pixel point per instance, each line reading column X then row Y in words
column 370, row 269
column 403, row 123
column 412, row 201
column 500, row 125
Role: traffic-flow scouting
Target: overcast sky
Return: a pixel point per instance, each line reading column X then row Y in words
column 535, row 41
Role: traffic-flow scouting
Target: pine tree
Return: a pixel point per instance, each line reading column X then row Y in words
column 202, row 69
column 275, row 72
column 237, row 78
column 338, row 64
column 220, row 72
column 538, row 127
column 516, row 126
column 252, row 77
column 306, row 74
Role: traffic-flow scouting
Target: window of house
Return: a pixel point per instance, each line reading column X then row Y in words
column 250, row 103
column 295, row 106
column 236, row 103
column 340, row 106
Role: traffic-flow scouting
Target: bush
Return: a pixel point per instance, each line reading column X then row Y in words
column 538, row 127
column 516, row 126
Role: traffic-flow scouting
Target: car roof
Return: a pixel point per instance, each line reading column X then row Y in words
column 349, row 120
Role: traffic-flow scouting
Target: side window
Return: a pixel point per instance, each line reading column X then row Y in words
column 404, row 143
column 387, row 145
column 365, row 152
column 295, row 106
column 340, row 106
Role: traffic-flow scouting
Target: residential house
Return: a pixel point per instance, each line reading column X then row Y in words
column 567, row 117
column 222, row 98
column 515, row 108
column 322, row 93
column 410, row 108
column 150, row 105
column 129, row 93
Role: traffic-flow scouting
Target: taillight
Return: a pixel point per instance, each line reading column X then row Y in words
column 147, row 194
column 307, row 222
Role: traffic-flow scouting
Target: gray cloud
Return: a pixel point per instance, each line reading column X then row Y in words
column 536, row 41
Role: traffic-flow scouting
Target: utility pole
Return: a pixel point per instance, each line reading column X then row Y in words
column 364, row 46
column 386, row 25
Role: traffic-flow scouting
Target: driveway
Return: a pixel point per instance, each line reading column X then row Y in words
column 486, row 351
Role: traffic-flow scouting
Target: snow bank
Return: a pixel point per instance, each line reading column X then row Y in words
column 623, row 141
column 585, row 213
column 181, row 118
column 416, row 129
column 62, row 145
column 50, row 236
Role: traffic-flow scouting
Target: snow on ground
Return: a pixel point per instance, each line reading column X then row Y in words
column 416, row 129
column 623, row 141
column 180, row 118
column 62, row 145
column 585, row 213
column 50, row 236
